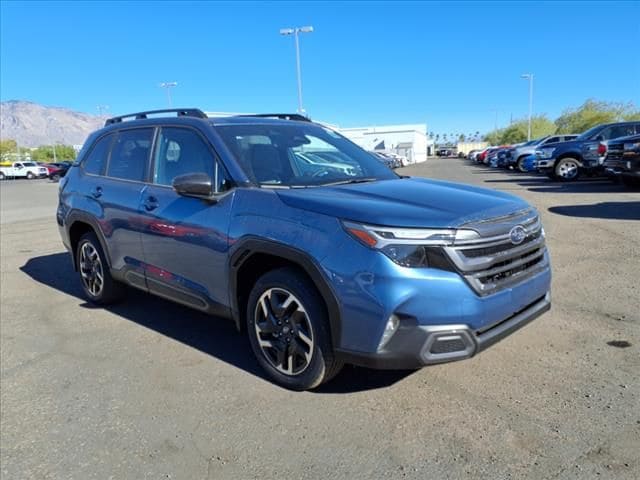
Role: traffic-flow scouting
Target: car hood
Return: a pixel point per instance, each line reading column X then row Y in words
column 406, row 202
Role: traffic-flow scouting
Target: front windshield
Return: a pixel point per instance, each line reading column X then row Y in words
column 588, row 133
column 299, row 155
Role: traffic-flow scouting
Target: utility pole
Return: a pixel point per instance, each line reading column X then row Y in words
column 167, row 86
column 529, row 76
column 295, row 31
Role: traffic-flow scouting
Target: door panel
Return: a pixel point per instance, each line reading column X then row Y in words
column 185, row 239
column 185, row 247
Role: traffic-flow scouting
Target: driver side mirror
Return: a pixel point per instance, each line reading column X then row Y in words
column 198, row 185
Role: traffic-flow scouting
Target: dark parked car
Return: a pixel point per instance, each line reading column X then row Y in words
column 567, row 160
column 517, row 154
column 623, row 160
column 319, row 268
column 57, row 170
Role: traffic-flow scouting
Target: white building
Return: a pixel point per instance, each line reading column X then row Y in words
column 408, row 140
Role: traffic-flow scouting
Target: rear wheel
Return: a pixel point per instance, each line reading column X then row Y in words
column 30, row 176
column 567, row 169
column 97, row 282
column 2, row 177
column 288, row 330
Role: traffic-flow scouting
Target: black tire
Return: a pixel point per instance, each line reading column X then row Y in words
column 2, row 177
column 567, row 169
column 295, row 314
column 520, row 164
column 30, row 176
column 111, row 291
column 55, row 177
column 630, row 182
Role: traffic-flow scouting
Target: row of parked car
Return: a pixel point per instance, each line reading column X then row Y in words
column 33, row 170
column 390, row 159
column 609, row 149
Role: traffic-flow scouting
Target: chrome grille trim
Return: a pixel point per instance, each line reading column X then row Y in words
column 501, row 268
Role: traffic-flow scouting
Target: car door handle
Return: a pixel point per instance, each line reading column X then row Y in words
column 150, row 203
column 96, row 192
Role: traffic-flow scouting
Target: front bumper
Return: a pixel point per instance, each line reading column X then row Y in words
column 415, row 346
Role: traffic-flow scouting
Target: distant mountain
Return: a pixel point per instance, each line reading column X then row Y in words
column 31, row 124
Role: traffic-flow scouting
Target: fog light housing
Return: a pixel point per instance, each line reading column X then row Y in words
column 390, row 328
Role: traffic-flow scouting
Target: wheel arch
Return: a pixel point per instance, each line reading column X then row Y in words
column 79, row 224
column 253, row 257
column 575, row 155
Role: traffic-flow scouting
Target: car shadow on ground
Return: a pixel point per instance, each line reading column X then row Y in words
column 214, row 336
column 542, row 184
column 604, row 210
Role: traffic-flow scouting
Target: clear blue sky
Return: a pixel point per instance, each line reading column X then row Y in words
column 448, row 64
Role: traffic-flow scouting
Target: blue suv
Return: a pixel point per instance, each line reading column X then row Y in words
column 320, row 263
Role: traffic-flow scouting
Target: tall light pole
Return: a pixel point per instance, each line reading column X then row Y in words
column 295, row 31
column 102, row 109
column 529, row 76
column 167, row 86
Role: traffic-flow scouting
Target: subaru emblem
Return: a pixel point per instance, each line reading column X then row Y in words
column 517, row 234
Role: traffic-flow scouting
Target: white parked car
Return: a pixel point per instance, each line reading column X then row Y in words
column 29, row 170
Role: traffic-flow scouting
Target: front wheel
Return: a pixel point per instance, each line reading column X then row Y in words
column 567, row 169
column 2, row 177
column 520, row 165
column 288, row 331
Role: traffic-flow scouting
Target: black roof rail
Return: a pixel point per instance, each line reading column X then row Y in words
column 282, row 116
column 182, row 112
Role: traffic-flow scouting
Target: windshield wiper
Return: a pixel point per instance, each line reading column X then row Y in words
column 353, row 180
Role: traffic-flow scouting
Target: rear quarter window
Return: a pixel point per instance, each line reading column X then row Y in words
column 96, row 159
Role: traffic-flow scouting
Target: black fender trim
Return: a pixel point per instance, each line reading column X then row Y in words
column 78, row 216
column 245, row 248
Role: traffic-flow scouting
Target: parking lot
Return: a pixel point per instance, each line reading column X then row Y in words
column 149, row 389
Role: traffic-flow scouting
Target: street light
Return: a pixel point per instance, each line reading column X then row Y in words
column 295, row 32
column 167, row 86
column 102, row 109
column 529, row 76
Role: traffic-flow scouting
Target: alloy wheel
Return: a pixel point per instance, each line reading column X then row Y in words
column 568, row 170
column 284, row 331
column 91, row 269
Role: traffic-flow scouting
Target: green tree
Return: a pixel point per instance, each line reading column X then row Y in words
column 7, row 147
column 594, row 112
column 44, row 153
column 517, row 131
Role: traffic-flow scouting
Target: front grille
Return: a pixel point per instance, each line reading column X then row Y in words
column 493, row 263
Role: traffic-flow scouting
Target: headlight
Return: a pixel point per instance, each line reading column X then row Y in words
column 408, row 247
column 545, row 152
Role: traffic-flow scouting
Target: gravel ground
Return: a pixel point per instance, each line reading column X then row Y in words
column 148, row 389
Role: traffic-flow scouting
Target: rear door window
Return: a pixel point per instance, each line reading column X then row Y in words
column 130, row 154
column 96, row 160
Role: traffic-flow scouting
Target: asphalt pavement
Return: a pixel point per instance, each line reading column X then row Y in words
column 149, row 389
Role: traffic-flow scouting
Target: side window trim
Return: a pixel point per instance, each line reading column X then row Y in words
column 218, row 166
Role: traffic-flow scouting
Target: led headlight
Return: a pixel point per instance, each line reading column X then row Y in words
column 408, row 247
